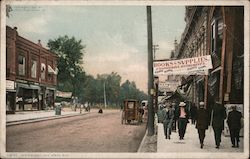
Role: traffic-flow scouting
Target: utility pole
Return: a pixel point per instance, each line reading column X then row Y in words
column 150, row 74
column 104, row 94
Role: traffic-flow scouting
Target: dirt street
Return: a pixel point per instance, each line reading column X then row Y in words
column 87, row 133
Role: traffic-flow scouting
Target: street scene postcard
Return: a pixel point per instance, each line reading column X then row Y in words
column 124, row 79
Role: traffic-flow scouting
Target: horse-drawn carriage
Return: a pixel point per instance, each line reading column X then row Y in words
column 132, row 111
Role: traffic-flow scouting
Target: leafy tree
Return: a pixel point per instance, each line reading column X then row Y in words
column 129, row 91
column 70, row 52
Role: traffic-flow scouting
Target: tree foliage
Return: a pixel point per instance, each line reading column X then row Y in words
column 71, row 76
column 115, row 91
column 70, row 52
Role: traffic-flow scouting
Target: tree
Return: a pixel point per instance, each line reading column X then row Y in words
column 129, row 90
column 70, row 52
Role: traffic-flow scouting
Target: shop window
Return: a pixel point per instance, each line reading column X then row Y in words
column 21, row 65
column 33, row 68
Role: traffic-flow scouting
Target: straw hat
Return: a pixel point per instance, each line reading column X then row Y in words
column 182, row 104
column 201, row 103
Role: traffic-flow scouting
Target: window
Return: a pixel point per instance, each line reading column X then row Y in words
column 43, row 71
column 213, row 36
column 216, row 41
column 33, row 68
column 21, row 65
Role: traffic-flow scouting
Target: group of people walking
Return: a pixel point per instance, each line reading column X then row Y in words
column 170, row 114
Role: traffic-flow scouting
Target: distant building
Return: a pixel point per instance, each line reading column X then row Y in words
column 31, row 74
column 219, row 32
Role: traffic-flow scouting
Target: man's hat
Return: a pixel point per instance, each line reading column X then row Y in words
column 182, row 104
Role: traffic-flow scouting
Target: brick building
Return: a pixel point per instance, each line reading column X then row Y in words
column 219, row 32
column 31, row 74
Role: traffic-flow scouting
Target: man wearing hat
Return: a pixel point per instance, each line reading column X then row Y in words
column 202, row 122
column 234, row 125
column 174, row 107
column 218, row 117
column 168, row 116
column 183, row 116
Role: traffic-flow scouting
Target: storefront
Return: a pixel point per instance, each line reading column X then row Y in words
column 10, row 96
column 27, row 97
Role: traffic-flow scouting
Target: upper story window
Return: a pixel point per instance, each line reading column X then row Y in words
column 51, row 72
column 216, row 40
column 43, row 71
column 33, row 68
column 21, row 65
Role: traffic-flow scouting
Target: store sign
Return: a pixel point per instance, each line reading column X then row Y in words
column 189, row 66
column 10, row 85
column 63, row 94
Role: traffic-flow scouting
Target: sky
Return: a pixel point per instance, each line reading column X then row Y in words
column 115, row 36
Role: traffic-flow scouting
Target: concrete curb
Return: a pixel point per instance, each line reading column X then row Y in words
column 143, row 141
column 26, row 121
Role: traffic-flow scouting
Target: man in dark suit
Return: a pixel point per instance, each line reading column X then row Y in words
column 219, row 115
column 202, row 122
column 234, row 125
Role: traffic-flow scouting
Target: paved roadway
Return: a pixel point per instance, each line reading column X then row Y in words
column 87, row 133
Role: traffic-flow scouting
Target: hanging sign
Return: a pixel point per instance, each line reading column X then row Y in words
column 63, row 94
column 189, row 66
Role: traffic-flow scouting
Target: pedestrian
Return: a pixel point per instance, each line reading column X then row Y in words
column 141, row 112
column 168, row 116
column 218, row 117
column 183, row 116
column 160, row 112
column 234, row 124
column 193, row 113
column 174, row 107
column 202, row 122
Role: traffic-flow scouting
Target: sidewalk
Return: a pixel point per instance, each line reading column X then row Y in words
column 191, row 142
column 34, row 116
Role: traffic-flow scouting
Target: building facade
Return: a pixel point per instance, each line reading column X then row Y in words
column 219, row 32
column 31, row 74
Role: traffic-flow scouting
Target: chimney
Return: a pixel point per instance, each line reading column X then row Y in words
column 15, row 33
column 39, row 43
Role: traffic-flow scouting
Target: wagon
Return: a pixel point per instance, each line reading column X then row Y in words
column 132, row 111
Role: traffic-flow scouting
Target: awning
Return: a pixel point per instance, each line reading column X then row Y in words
column 63, row 94
column 199, row 78
column 187, row 95
column 215, row 70
column 50, row 88
column 51, row 70
column 28, row 86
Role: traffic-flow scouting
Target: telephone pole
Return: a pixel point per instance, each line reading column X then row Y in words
column 150, row 74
